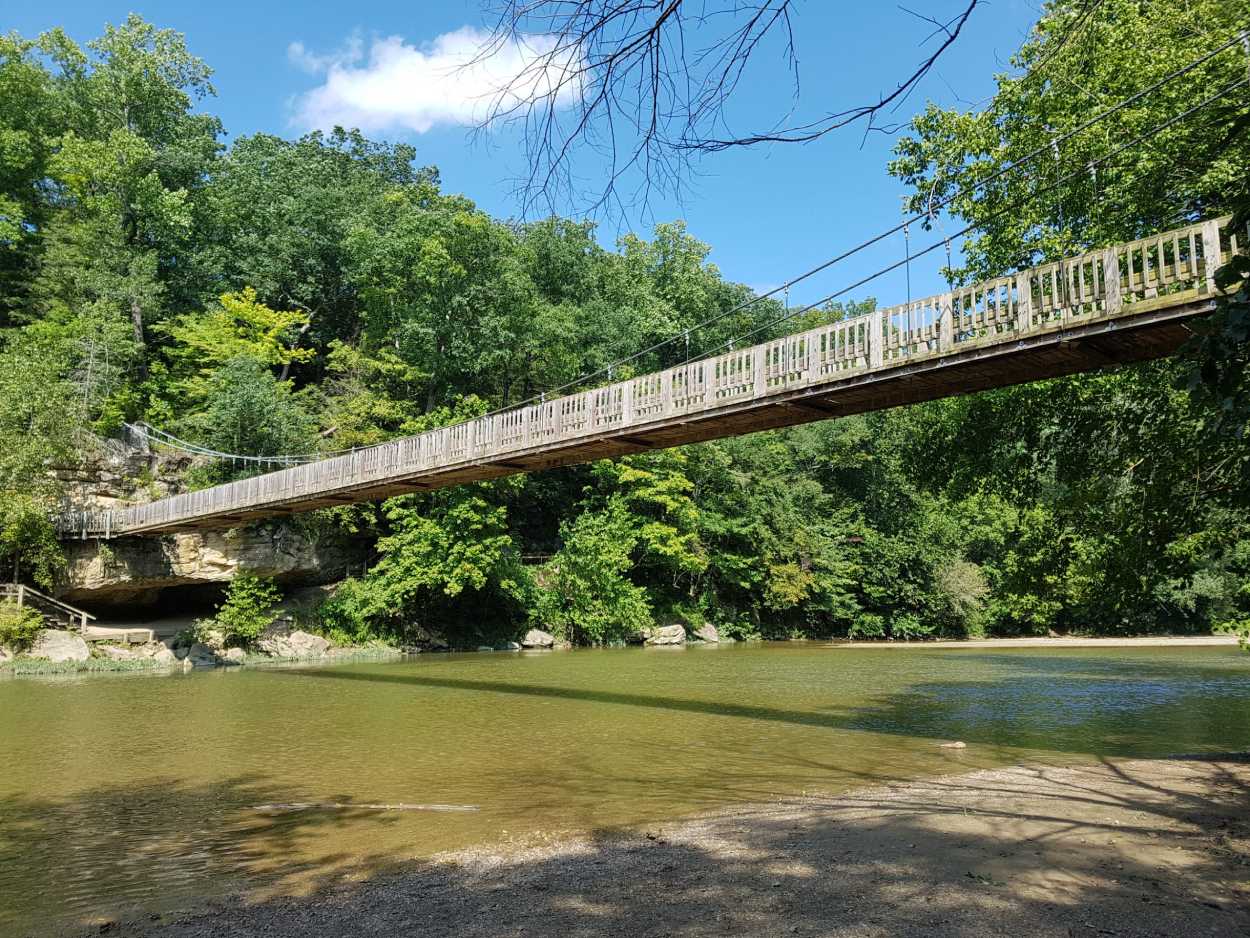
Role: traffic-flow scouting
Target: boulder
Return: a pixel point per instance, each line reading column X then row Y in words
column 666, row 635
column 537, row 638
column 56, row 645
column 235, row 655
column 508, row 646
column 201, row 656
column 707, row 633
column 164, row 658
column 307, row 645
column 213, row 638
column 117, row 654
column 297, row 644
column 485, row 647
column 5, row 654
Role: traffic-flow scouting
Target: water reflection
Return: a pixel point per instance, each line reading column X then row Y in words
column 142, row 793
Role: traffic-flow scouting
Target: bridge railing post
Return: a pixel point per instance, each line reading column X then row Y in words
column 876, row 339
column 1113, row 300
column 1024, row 302
column 1211, row 254
column 946, row 321
column 627, row 402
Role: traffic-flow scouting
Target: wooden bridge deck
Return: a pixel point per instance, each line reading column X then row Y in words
column 1122, row 304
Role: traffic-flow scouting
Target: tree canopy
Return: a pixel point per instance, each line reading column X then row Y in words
column 277, row 297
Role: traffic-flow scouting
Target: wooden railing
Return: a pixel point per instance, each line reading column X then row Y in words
column 1165, row 269
column 24, row 595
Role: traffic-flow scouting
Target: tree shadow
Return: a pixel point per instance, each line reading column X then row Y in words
column 156, row 844
column 1113, row 849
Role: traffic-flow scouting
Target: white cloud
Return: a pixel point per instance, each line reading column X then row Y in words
column 299, row 55
column 405, row 87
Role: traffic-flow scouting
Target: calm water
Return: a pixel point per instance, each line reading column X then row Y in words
column 124, row 793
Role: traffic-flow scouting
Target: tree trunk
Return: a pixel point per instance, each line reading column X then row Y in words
column 299, row 337
column 136, row 321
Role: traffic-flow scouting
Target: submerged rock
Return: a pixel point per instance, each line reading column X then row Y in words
column 56, row 645
column 955, row 745
column 537, row 638
column 508, row 646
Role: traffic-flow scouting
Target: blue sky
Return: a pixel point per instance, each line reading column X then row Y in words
column 767, row 212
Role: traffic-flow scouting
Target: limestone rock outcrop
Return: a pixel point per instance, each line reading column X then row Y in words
column 707, row 633
column 666, row 635
column 537, row 638
column 297, row 644
column 134, row 570
column 56, row 645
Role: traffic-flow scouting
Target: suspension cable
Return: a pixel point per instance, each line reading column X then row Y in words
column 1051, row 145
column 863, row 245
column 1014, row 205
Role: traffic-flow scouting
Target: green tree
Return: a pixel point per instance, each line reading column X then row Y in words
column 127, row 165
column 276, row 215
column 249, row 412
column 585, row 594
column 247, row 610
column 238, row 326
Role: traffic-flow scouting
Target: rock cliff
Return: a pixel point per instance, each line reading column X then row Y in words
column 133, row 570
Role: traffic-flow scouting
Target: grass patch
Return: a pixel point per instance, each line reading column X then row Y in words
column 24, row 666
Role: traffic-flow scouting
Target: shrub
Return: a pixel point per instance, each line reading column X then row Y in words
column 963, row 590
column 1238, row 627
column 908, row 625
column 18, row 625
column 587, row 595
column 867, row 625
column 248, row 608
column 347, row 615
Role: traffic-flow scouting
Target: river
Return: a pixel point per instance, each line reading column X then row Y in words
column 132, row 793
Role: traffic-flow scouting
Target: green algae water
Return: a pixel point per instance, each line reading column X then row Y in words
column 125, row 795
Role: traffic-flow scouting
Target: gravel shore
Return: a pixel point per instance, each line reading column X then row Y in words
column 1125, row 848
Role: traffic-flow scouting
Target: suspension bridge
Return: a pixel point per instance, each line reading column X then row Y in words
column 1125, row 303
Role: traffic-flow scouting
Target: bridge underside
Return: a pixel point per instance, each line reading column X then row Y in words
column 1144, row 335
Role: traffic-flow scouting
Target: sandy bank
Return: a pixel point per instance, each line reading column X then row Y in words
column 1148, row 641
column 1117, row 848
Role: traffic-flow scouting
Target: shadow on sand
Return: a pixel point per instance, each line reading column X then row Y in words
column 1136, row 848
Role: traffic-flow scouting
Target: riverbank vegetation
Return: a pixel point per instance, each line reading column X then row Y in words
column 282, row 296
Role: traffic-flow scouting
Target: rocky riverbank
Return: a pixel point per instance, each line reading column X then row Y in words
column 1129, row 848
column 61, row 652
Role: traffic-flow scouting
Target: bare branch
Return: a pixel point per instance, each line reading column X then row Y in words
column 645, row 85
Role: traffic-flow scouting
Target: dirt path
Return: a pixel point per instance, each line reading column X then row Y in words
column 1158, row 848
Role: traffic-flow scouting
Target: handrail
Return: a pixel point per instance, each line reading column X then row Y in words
column 21, row 590
column 1100, row 284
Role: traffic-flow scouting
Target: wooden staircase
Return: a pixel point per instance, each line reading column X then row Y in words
column 56, row 614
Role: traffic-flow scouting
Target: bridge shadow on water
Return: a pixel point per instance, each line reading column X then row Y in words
column 1102, row 848
column 1101, row 707
column 1134, row 848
